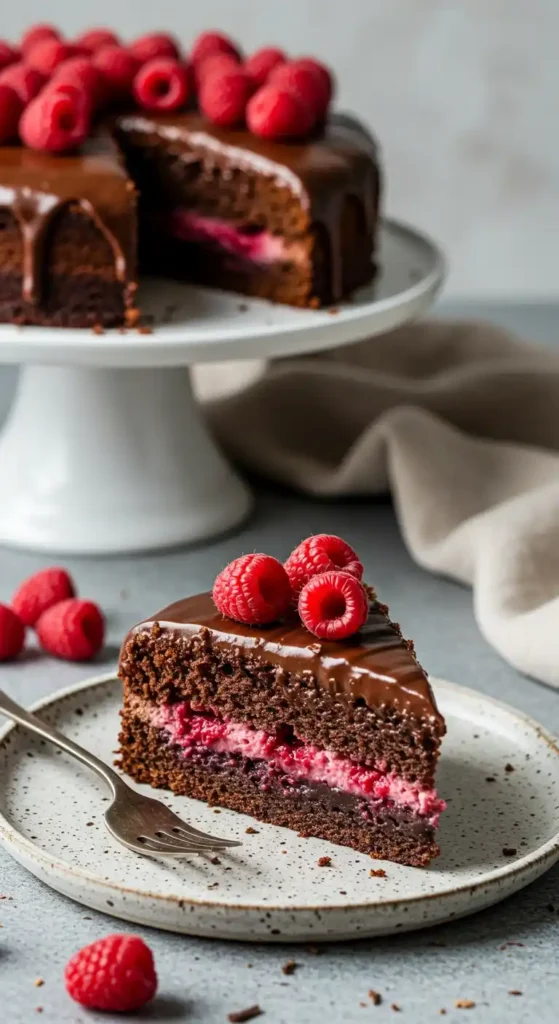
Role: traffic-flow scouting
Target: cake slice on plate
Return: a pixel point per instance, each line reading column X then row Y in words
column 335, row 738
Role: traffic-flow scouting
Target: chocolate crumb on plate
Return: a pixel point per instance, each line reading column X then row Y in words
column 490, row 778
column 290, row 967
column 38, row 982
column 509, row 851
column 97, row 329
column 324, row 862
column 509, row 768
column 377, row 873
column 215, row 860
column 239, row 1016
column 442, row 1011
column 144, row 329
column 464, row 1004
column 375, row 997
column 514, row 992
column 250, row 831
column 395, row 1007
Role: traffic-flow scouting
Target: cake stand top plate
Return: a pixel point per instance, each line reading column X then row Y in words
column 193, row 324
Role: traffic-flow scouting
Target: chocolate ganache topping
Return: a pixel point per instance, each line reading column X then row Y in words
column 35, row 186
column 323, row 171
column 376, row 665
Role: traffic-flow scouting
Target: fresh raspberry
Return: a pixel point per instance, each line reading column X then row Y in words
column 224, row 96
column 47, row 55
column 37, row 34
column 11, row 109
column 40, row 592
column 162, row 84
column 24, row 80
column 216, row 63
column 81, row 71
column 333, row 605
column 95, row 38
column 119, row 68
column 73, row 630
column 115, row 974
column 209, row 43
column 156, row 44
column 277, row 113
column 253, row 589
column 320, row 553
column 56, row 121
column 12, row 634
column 261, row 64
column 324, row 74
column 7, row 55
column 305, row 82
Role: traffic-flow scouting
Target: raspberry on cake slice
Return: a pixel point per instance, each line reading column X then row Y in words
column 298, row 703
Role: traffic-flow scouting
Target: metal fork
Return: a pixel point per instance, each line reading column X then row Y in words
column 139, row 822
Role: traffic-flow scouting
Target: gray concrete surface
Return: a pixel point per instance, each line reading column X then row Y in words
column 512, row 946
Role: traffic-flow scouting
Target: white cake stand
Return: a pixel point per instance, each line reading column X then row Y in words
column 105, row 449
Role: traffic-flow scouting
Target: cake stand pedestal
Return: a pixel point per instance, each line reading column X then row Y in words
column 105, row 449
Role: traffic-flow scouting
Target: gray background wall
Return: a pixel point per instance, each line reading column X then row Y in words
column 463, row 95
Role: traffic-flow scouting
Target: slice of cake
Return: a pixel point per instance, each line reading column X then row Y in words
column 337, row 739
column 67, row 236
column 295, row 222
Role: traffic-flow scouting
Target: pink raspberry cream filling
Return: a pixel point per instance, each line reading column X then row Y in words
column 194, row 729
column 254, row 246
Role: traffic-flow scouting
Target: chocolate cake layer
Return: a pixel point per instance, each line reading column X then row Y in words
column 322, row 193
column 366, row 699
column 383, row 831
column 67, row 236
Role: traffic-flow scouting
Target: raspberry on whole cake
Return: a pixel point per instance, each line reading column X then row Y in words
column 336, row 738
column 246, row 180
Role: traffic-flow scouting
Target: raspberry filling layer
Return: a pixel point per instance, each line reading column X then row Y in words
column 192, row 730
column 245, row 242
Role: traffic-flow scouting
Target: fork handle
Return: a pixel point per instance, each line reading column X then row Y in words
column 19, row 714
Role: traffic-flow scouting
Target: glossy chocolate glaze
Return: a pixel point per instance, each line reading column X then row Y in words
column 323, row 171
column 36, row 186
column 376, row 665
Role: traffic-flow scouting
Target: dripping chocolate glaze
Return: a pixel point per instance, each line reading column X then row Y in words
column 323, row 171
column 375, row 665
column 34, row 187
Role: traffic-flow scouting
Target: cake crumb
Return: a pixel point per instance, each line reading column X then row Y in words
column 249, row 965
column 363, row 1005
column 333, row 310
column 38, row 982
column 38, row 1009
column 464, row 1004
column 216, row 810
column 324, row 862
column 289, row 968
column 250, row 831
column 395, row 1007
column 514, row 992
column 509, row 768
column 375, row 997
column 213, row 885
column 97, row 329
column 131, row 317
column 240, row 1016
column 215, row 860
column 144, row 329
column 509, row 851
column 442, row 1011
column 377, row 873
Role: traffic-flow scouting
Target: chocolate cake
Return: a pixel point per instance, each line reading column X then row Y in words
column 334, row 739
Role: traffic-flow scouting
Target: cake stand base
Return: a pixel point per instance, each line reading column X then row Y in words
column 111, row 460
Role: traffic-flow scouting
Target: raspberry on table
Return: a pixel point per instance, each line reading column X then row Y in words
column 156, row 44
column 7, row 55
column 253, row 589
column 37, row 34
column 12, row 634
column 322, row 552
column 40, row 592
column 210, row 43
column 305, row 82
column 73, row 630
column 333, row 605
column 277, row 113
column 162, row 84
column 119, row 68
column 56, row 121
column 95, row 38
column 224, row 96
column 115, row 974
column 48, row 54
column 11, row 108
column 261, row 64
column 24, row 80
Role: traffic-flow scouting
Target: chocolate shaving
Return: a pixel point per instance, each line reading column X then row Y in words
column 239, row 1016
column 515, row 992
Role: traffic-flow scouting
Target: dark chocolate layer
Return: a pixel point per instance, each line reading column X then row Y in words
column 376, row 666
column 312, row 810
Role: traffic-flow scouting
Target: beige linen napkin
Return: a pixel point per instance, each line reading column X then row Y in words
column 460, row 421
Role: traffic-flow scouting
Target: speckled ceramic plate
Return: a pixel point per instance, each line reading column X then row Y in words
column 499, row 773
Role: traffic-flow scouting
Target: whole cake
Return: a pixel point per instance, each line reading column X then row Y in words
column 209, row 167
column 319, row 719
